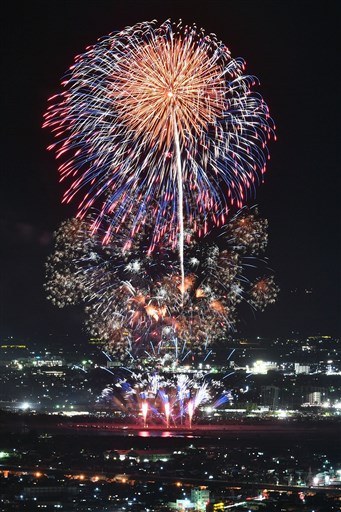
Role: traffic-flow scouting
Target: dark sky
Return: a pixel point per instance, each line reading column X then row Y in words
column 290, row 45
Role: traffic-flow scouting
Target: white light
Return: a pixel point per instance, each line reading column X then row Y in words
column 25, row 405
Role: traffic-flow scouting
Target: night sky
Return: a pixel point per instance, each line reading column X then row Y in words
column 290, row 46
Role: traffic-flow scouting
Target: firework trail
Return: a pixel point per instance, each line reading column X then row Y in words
column 159, row 116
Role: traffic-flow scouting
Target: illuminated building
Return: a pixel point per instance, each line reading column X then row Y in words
column 261, row 367
column 200, row 497
column 314, row 398
column 299, row 368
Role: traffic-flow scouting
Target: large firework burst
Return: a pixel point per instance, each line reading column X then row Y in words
column 160, row 116
column 138, row 302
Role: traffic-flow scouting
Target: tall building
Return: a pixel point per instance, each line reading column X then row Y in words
column 315, row 398
column 270, row 396
column 200, row 496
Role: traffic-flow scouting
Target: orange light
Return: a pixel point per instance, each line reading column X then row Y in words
column 200, row 293
column 152, row 311
column 217, row 306
column 187, row 285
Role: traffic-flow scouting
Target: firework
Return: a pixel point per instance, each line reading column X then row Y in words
column 263, row 292
column 63, row 285
column 141, row 306
column 248, row 231
column 170, row 399
column 161, row 117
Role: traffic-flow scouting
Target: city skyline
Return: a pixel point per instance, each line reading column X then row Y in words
column 290, row 50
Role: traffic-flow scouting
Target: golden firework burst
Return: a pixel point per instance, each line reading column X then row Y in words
column 167, row 82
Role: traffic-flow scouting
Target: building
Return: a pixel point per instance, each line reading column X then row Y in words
column 301, row 368
column 261, row 367
column 200, row 496
column 270, row 396
column 315, row 398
